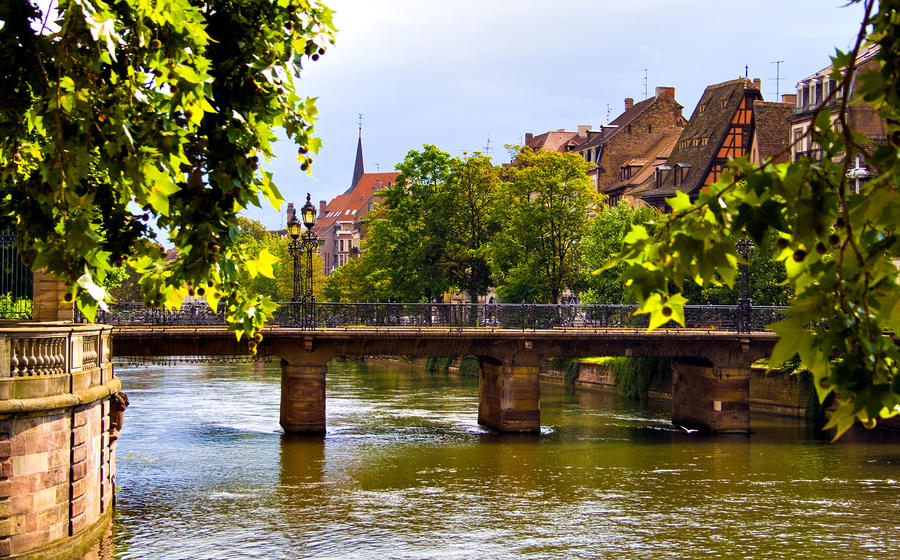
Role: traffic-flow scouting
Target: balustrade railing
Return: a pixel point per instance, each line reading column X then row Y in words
column 449, row 315
column 36, row 351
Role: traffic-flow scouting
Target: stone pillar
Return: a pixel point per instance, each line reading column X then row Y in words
column 509, row 396
column 303, row 397
column 48, row 304
column 711, row 398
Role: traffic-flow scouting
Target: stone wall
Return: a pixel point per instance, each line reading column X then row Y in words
column 60, row 415
column 776, row 394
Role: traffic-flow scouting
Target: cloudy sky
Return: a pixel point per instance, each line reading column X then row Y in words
column 456, row 73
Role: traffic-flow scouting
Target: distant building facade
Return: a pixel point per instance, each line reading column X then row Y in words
column 626, row 144
column 821, row 92
column 719, row 129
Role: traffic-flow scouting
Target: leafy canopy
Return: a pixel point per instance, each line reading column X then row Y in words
column 546, row 206
column 118, row 115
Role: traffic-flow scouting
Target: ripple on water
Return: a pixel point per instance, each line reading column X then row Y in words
column 405, row 471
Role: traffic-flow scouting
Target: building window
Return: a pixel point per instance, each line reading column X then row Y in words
column 660, row 169
column 701, row 107
column 629, row 129
column 681, row 170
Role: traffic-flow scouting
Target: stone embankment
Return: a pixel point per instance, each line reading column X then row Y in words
column 61, row 412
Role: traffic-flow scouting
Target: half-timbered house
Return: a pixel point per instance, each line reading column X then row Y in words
column 719, row 129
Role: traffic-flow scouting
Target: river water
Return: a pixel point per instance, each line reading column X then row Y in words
column 405, row 472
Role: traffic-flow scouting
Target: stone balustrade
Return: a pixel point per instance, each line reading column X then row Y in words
column 60, row 415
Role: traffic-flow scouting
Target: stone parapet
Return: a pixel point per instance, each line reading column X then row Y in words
column 57, row 465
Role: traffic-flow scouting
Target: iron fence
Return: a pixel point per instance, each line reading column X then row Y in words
column 449, row 315
column 16, row 281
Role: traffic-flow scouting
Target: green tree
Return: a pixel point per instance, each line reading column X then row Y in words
column 546, row 204
column 470, row 203
column 121, row 114
column 767, row 279
column 839, row 246
column 602, row 242
column 358, row 280
column 408, row 233
column 253, row 239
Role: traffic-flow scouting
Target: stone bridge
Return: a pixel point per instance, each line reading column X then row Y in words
column 711, row 368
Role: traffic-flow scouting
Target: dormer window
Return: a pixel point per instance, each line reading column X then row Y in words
column 660, row 171
column 681, row 170
column 701, row 107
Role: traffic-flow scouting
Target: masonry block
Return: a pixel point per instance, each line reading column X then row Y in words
column 711, row 398
column 303, row 398
column 509, row 397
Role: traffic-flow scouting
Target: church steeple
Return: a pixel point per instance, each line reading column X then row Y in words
column 358, row 167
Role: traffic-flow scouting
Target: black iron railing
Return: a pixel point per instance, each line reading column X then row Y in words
column 16, row 281
column 451, row 315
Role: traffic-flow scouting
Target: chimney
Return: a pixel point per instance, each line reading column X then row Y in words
column 583, row 130
column 789, row 98
column 290, row 211
column 629, row 103
column 662, row 91
column 757, row 83
column 528, row 138
column 321, row 207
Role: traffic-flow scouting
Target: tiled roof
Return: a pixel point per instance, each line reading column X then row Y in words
column 618, row 124
column 772, row 130
column 703, row 135
column 354, row 203
column 556, row 141
column 647, row 162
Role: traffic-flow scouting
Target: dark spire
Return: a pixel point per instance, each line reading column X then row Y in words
column 358, row 168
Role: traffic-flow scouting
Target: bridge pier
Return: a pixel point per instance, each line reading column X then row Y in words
column 710, row 397
column 509, row 394
column 303, row 397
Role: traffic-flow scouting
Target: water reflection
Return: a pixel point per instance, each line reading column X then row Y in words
column 404, row 471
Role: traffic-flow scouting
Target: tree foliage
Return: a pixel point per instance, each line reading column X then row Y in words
column 603, row 241
column 408, row 234
column 118, row 115
column 470, row 201
column 839, row 247
column 545, row 208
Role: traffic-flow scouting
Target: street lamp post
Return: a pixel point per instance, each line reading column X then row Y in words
column 301, row 247
column 744, row 302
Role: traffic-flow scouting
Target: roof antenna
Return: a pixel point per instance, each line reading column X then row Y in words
column 607, row 113
column 378, row 168
column 645, row 83
column 487, row 147
column 746, row 71
column 360, row 125
column 777, row 78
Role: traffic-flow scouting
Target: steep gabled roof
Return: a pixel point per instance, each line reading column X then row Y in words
column 355, row 202
column 647, row 163
column 619, row 123
column 704, row 134
column 556, row 141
